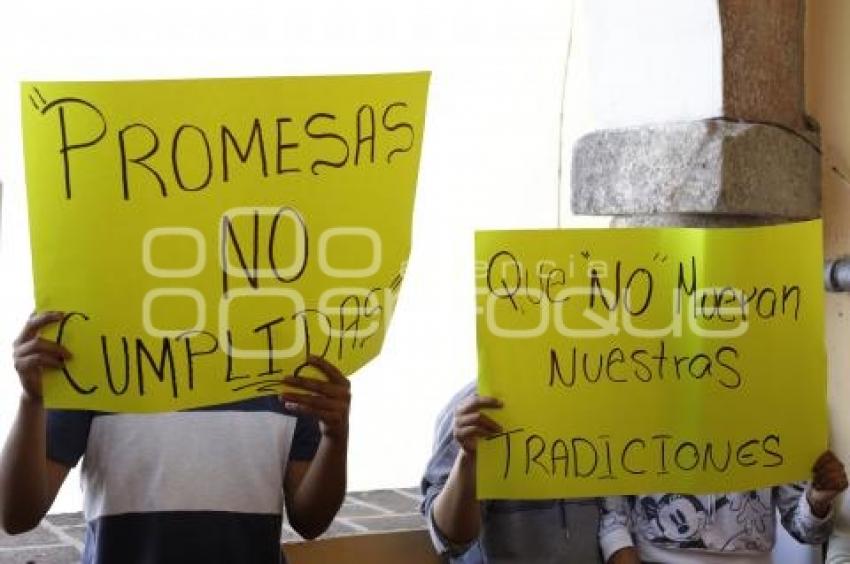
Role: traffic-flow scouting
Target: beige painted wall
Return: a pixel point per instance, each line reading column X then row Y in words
column 410, row 547
column 828, row 101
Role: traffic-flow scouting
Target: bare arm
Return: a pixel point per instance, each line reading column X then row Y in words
column 456, row 509
column 314, row 490
column 28, row 480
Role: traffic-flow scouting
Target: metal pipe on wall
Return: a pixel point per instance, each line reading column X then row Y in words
column 837, row 275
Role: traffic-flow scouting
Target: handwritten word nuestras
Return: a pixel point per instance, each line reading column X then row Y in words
column 643, row 366
column 199, row 157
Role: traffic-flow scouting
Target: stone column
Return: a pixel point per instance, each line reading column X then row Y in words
column 755, row 163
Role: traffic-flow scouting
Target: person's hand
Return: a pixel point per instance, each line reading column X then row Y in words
column 626, row 555
column 828, row 480
column 470, row 424
column 33, row 354
column 328, row 401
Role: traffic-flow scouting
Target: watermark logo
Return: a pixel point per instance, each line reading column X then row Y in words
column 262, row 252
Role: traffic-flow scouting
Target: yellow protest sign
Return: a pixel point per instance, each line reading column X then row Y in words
column 650, row 360
column 204, row 236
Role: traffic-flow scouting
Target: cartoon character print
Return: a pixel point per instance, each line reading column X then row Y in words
column 751, row 512
column 753, row 515
column 676, row 518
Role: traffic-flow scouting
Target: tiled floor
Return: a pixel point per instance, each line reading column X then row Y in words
column 59, row 538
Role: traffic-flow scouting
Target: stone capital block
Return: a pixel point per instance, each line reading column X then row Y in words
column 701, row 167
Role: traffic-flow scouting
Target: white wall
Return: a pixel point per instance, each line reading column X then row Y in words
column 635, row 63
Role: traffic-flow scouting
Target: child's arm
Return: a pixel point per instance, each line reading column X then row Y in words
column 456, row 510
column 828, row 481
column 28, row 480
column 314, row 490
column 806, row 509
column 615, row 538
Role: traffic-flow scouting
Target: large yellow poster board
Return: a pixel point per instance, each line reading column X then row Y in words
column 204, row 236
column 650, row 360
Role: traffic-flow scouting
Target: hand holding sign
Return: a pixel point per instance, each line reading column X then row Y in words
column 472, row 424
column 828, row 481
column 33, row 354
column 328, row 401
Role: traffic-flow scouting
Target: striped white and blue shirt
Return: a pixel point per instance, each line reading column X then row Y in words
column 203, row 485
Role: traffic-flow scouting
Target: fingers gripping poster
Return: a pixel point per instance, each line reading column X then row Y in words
column 204, row 237
column 650, row 360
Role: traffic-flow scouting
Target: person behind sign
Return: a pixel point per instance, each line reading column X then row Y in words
column 468, row 531
column 203, row 485
column 722, row 528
